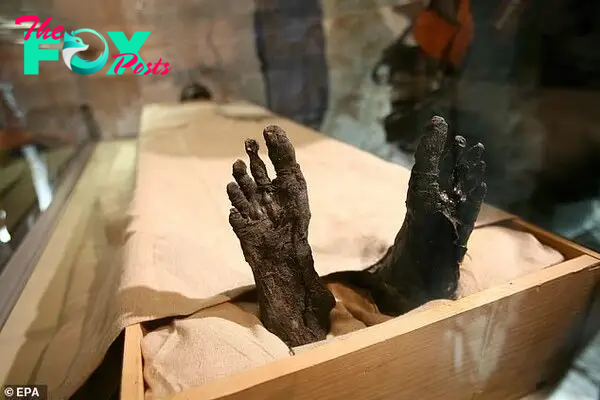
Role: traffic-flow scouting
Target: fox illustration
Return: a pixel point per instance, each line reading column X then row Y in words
column 72, row 45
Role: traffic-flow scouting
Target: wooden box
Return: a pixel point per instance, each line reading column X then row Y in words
column 501, row 343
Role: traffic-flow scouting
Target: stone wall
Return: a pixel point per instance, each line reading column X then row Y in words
column 213, row 42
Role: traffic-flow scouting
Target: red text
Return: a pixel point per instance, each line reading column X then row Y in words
column 154, row 69
column 43, row 30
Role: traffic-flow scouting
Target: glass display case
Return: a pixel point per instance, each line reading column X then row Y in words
column 44, row 142
column 520, row 77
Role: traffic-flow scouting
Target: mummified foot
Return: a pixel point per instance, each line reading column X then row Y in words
column 270, row 218
column 445, row 193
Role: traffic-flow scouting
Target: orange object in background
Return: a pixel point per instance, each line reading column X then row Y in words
column 14, row 139
column 439, row 38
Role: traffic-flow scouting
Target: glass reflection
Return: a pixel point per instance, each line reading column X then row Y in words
column 31, row 165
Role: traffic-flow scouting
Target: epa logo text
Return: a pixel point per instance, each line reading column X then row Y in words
column 26, row 392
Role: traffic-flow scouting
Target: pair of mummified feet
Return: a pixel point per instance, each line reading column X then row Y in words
column 271, row 218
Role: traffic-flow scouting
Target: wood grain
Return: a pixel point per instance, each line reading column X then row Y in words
column 497, row 344
column 132, row 380
column 565, row 246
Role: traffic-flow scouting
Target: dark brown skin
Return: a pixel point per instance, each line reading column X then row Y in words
column 270, row 218
column 445, row 193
